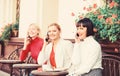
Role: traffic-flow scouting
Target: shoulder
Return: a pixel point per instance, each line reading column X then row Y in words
column 91, row 41
column 94, row 43
column 39, row 40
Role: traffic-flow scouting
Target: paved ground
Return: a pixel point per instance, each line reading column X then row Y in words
column 2, row 73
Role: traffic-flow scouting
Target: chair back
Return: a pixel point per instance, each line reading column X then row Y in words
column 15, row 54
column 30, row 60
column 111, row 65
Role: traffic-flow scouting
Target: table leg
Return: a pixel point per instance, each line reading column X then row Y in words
column 27, row 72
column 11, row 69
column 21, row 72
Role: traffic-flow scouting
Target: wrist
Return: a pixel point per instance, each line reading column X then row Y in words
column 24, row 48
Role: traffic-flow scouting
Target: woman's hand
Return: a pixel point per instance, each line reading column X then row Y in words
column 26, row 42
column 77, row 40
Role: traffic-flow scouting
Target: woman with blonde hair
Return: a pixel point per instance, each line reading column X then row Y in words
column 32, row 43
column 57, row 54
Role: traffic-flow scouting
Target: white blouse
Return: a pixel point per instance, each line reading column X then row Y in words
column 86, row 56
column 63, row 53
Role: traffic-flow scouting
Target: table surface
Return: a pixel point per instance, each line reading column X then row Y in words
column 49, row 73
column 26, row 66
column 10, row 61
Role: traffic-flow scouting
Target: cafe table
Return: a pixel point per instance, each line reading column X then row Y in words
column 10, row 62
column 49, row 73
column 26, row 66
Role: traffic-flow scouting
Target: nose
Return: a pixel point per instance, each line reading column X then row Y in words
column 51, row 33
column 78, row 31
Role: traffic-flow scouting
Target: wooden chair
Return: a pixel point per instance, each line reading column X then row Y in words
column 15, row 54
column 12, row 59
column 25, row 68
column 7, row 63
column 111, row 65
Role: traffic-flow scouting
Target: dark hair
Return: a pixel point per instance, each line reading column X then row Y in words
column 86, row 22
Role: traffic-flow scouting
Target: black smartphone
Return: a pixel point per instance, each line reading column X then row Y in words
column 77, row 34
column 29, row 38
column 47, row 38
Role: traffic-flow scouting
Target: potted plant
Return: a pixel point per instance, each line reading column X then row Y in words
column 5, row 32
column 15, row 27
column 8, row 31
column 107, row 23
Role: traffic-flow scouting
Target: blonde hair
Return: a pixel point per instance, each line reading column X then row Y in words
column 56, row 25
column 36, row 26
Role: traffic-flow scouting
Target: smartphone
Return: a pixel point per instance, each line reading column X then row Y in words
column 29, row 38
column 47, row 38
column 77, row 34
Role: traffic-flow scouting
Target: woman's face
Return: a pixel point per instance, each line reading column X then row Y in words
column 82, row 31
column 53, row 33
column 32, row 31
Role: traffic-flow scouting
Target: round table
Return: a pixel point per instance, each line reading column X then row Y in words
column 49, row 73
column 26, row 67
column 10, row 62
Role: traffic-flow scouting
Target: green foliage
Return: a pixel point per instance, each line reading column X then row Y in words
column 15, row 25
column 6, row 34
column 107, row 21
column 7, row 31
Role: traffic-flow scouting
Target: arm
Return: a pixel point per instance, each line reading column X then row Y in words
column 68, row 54
column 41, row 57
column 24, row 53
column 26, row 49
column 90, row 56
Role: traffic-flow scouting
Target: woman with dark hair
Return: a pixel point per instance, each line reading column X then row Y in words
column 86, row 58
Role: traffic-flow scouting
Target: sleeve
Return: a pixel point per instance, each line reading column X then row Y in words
column 68, row 54
column 75, row 54
column 24, row 53
column 88, row 59
column 42, row 55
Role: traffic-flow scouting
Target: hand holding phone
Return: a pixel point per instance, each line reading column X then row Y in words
column 78, row 37
column 47, row 39
column 29, row 38
column 77, row 34
column 27, row 41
